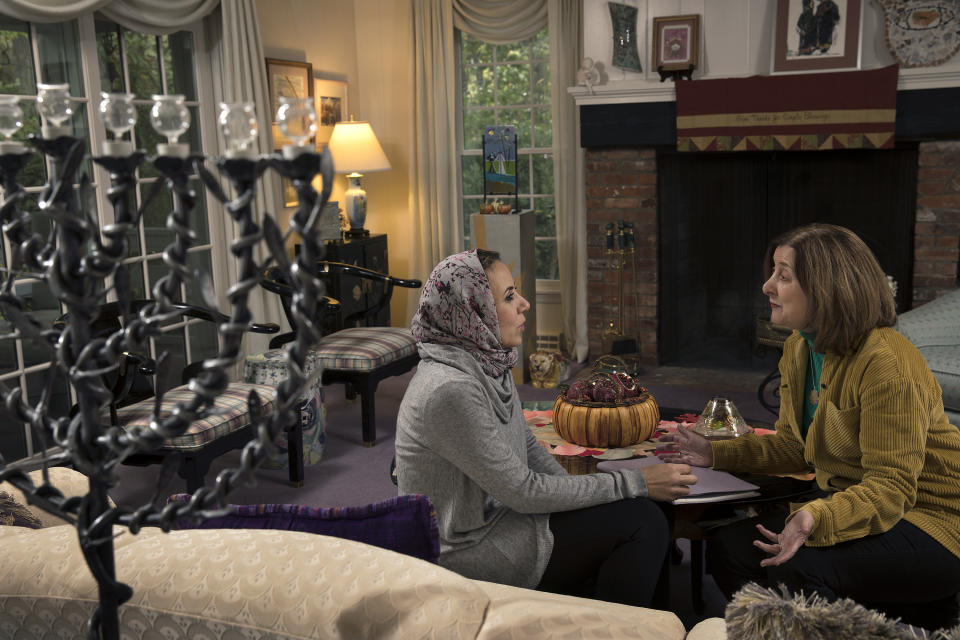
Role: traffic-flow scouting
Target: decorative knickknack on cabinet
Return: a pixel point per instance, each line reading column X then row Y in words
column 513, row 237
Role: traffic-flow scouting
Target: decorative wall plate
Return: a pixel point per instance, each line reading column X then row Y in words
column 922, row 33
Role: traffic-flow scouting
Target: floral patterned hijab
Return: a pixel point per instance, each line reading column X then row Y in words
column 457, row 308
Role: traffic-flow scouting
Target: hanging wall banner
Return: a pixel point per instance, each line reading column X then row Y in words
column 845, row 110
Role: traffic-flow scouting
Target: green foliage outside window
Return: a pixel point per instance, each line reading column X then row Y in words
column 510, row 85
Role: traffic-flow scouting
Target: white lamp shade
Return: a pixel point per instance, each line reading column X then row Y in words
column 355, row 149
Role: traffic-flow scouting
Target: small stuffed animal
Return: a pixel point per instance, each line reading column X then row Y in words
column 547, row 368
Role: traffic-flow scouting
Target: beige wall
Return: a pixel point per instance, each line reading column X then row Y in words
column 368, row 44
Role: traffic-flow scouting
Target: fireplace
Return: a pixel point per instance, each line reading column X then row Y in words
column 682, row 310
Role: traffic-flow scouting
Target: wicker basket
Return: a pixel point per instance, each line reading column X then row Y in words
column 607, row 425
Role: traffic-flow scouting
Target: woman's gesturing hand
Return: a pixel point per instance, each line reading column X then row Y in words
column 782, row 546
column 667, row 482
column 686, row 446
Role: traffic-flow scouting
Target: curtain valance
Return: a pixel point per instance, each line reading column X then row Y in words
column 147, row 16
column 500, row 21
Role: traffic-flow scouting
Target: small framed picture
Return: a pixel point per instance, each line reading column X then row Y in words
column 817, row 35
column 330, row 97
column 289, row 79
column 676, row 42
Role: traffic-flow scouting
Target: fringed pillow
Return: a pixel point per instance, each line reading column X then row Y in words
column 15, row 514
column 759, row 613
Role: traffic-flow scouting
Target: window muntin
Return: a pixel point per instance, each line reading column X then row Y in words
column 510, row 85
column 93, row 54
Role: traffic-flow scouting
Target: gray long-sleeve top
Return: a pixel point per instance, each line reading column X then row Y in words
column 462, row 440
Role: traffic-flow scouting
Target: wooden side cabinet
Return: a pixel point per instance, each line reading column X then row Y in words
column 356, row 294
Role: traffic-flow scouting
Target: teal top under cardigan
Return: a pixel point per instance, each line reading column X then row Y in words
column 814, row 367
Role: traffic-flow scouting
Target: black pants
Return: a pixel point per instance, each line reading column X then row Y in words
column 903, row 572
column 610, row 552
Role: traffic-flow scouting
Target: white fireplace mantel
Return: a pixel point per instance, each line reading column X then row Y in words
column 628, row 91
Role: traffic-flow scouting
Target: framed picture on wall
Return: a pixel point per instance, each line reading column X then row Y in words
column 330, row 97
column 287, row 78
column 676, row 42
column 817, row 35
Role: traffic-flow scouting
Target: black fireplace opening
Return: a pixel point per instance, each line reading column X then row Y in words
column 718, row 211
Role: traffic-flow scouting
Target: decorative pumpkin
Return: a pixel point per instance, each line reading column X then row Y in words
column 602, row 424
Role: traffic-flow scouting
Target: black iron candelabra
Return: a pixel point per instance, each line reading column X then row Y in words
column 75, row 260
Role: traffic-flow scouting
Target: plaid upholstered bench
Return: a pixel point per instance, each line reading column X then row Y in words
column 359, row 357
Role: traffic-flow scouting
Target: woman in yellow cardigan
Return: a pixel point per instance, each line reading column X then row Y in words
column 860, row 408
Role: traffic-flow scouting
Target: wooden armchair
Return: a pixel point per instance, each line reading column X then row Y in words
column 358, row 356
column 227, row 428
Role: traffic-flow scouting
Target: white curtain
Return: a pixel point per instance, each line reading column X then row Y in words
column 435, row 173
column 243, row 78
column 435, row 163
column 568, row 176
column 148, row 16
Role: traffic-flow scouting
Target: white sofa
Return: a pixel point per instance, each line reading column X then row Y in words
column 235, row 583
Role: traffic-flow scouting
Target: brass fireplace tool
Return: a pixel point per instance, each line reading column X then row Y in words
column 620, row 245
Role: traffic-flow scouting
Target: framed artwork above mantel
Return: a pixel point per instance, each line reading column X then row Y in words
column 817, row 35
column 676, row 42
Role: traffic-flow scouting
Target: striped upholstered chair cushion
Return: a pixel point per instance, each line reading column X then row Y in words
column 231, row 414
column 364, row 348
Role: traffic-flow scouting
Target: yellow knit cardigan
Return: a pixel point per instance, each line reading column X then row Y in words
column 880, row 443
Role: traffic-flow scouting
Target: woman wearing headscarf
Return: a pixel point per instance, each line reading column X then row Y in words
column 507, row 511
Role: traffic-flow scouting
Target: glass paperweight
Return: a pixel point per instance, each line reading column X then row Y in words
column 721, row 420
column 624, row 19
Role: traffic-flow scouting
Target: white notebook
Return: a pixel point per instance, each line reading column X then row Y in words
column 712, row 485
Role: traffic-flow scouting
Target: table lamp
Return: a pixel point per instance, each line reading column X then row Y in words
column 356, row 151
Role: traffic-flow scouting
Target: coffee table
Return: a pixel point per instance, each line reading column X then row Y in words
column 688, row 520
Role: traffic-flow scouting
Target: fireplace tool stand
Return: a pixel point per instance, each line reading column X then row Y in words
column 620, row 244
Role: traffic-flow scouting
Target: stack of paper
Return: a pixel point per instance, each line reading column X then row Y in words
column 712, row 485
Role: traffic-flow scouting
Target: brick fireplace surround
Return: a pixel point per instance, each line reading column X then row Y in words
column 621, row 183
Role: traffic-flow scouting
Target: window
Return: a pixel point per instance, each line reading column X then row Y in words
column 510, row 85
column 93, row 54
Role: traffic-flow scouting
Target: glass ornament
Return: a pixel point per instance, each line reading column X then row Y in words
column 297, row 118
column 119, row 114
column 238, row 124
column 53, row 103
column 11, row 115
column 169, row 116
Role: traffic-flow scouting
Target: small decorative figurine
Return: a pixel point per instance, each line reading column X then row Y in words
column 547, row 368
